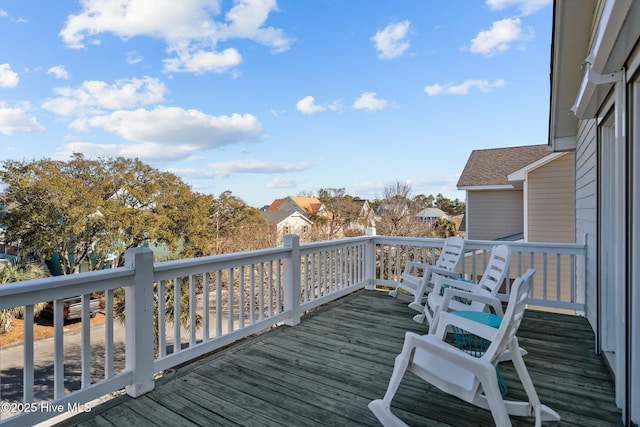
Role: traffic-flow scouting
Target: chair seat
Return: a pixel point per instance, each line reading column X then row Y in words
column 447, row 376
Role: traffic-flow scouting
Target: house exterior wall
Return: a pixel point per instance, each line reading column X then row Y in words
column 494, row 214
column 549, row 200
column 586, row 201
column 294, row 225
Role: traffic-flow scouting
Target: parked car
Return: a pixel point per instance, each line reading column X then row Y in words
column 73, row 308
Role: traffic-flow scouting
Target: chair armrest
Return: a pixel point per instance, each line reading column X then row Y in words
column 415, row 265
column 450, row 293
column 440, row 281
column 480, row 329
column 492, row 302
column 435, row 345
column 443, row 272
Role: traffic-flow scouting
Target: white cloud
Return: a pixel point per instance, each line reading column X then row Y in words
column 3, row 13
column 307, row 105
column 16, row 120
column 463, row 88
column 202, row 61
column 133, row 57
column 59, row 72
column 527, row 7
column 246, row 20
column 391, row 41
column 95, row 96
column 175, row 126
column 498, row 39
column 226, row 169
column 189, row 31
column 148, row 151
column 368, row 101
column 8, row 77
column 285, row 182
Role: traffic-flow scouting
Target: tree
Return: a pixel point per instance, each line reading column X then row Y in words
column 397, row 212
column 444, row 227
column 424, row 202
column 16, row 273
column 344, row 213
column 452, row 207
column 92, row 210
column 239, row 227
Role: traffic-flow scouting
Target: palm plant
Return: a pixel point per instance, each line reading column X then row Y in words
column 169, row 298
column 10, row 273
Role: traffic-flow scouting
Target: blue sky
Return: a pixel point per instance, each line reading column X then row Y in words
column 269, row 99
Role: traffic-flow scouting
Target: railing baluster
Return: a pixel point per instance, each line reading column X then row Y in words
column 572, row 277
column 261, row 292
column 85, row 364
column 218, row 303
column 192, row 311
column 545, row 290
column 108, row 334
column 27, row 369
column 177, row 340
column 241, row 311
column 205, row 306
column 162, row 320
column 230, row 301
column 558, row 278
column 58, row 344
column 279, row 287
column 270, row 280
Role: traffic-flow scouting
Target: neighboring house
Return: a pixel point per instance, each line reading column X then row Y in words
column 595, row 113
column 293, row 215
column 309, row 206
column 511, row 193
column 292, row 222
column 367, row 217
column 428, row 215
column 313, row 209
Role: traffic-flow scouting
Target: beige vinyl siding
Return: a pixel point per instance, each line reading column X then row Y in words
column 550, row 201
column 586, row 213
column 494, row 214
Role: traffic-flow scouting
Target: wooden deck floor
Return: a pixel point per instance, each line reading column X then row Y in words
column 325, row 371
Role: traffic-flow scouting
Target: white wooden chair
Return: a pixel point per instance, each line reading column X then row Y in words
column 449, row 294
column 416, row 276
column 470, row 378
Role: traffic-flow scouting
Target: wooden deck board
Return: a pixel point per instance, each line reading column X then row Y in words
column 326, row 370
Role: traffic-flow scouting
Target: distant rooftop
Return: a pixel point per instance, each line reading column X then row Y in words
column 491, row 167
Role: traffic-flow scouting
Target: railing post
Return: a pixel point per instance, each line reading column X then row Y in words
column 370, row 259
column 292, row 291
column 139, row 351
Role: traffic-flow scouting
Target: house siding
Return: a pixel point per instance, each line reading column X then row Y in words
column 586, row 213
column 494, row 214
column 550, row 205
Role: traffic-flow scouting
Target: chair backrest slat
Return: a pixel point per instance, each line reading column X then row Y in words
column 451, row 253
column 512, row 317
column 496, row 271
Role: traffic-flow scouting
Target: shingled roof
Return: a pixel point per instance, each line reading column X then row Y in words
column 491, row 167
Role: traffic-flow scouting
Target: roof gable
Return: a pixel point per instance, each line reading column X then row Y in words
column 308, row 204
column 492, row 167
column 277, row 217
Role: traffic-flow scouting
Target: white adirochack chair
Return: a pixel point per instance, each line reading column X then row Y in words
column 471, row 378
column 449, row 294
column 416, row 276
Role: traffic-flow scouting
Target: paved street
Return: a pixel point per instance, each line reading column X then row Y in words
column 11, row 358
column 11, row 362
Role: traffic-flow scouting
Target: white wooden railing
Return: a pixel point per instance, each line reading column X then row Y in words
column 230, row 296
